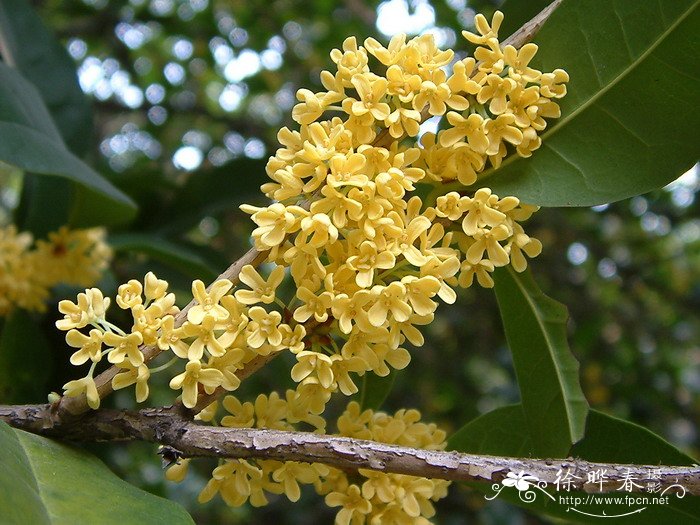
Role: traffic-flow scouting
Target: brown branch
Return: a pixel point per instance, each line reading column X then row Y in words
column 78, row 405
column 168, row 427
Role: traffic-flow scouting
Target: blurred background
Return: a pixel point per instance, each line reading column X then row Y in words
column 188, row 96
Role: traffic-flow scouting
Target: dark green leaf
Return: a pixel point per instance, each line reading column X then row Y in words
column 45, row 204
column 607, row 440
column 375, row 389
column 209, row 192
column 31, row 142
column 614, row 440
column 46, row 482
column 174, row 255
column 500, row 432
column 29, row 47
column 630, row 108
column 547, row 372
column 22, row 346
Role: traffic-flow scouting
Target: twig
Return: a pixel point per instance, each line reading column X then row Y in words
column 168, row 427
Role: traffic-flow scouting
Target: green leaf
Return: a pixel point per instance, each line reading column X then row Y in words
column 174, row 255
column 375, row 389
column 23, row 346
column 29, row 47
column 613, row 440
column 607, row 440
column 46, row 482
column 212, row 191
column 500, row 432
column 44, row 205
column 547, row 372
column 32, row 142
column 631, row 107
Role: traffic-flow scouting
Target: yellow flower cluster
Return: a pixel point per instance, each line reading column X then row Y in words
column 364, row 251
column 29, row 269
column 367, row 255
column 364, row 497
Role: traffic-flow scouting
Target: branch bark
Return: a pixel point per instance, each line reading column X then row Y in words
column 169, row 427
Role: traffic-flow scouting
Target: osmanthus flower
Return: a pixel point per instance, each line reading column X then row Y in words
column 289, row 474
column 71, row 256
column 481, row 270
column 442, row 270
column 208, row 301
column 261, row 290
column 271, row 412
column 310, row 109
column 154, row 288
column 85, row 385
column 263, row 327
column 481, row 211
column 241, row 415
column 124, row 347
column 314, row 305
column 91, row 308
column 354, row 506
column 471, row 128
column 488, row 240
column 367, row 261
column 317, row 231
column 349, row 310
column 342, row 368
column 400, row 332
column 274, row 223
column 138, row 375
column 520, row 245
column 371, row 90
column 390, row 299
column 388, row 358
column 308, row 363
column 129, row 294
column 192, row 377
column 312, row 395
column 204, row 339
column 169, row 338
column 90, row 346
column 293, row 339
column 237, row 481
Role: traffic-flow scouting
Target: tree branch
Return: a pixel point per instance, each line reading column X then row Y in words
column 169, row 427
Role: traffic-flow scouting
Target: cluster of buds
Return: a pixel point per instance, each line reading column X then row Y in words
column 367, row 255
column 28, row 269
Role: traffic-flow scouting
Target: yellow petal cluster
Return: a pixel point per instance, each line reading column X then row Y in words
column 370, row 227
column 364, row 250
column 29, row 269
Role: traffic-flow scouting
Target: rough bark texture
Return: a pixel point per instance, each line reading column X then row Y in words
column 171, row 427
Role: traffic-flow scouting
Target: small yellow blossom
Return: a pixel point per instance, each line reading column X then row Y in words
column 208, row 301
column 86, row 386
column 138, row 375
column 191, row 378
column 353, row 503
column 263, row 327
column 367, row 261
column 124, row 347
column 90, row 346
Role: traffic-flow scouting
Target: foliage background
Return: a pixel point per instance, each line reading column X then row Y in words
column 187, row 96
